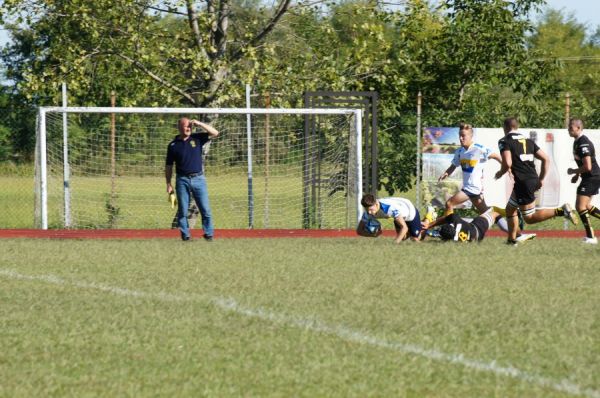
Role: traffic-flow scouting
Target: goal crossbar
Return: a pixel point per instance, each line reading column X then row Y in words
column 199, row 111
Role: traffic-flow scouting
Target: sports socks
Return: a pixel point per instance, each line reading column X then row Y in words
column 499, row 210
column 594, row 211
column 585, row 219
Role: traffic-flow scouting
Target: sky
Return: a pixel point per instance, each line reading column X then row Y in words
column 586, row 11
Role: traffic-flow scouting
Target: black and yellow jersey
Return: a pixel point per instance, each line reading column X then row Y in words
column 522, row 151
column 583, row 147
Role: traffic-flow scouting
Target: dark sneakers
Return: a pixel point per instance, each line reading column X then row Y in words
column 188, row 238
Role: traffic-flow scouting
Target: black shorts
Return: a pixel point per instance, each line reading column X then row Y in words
column 589, row 186
column 481, row 224
column 472, row 195
column 524, row 191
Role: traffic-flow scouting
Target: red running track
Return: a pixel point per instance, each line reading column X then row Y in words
column 225, row 233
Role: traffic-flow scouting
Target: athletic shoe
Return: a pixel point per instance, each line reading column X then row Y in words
column 525, row 237
column 208, row 238
column 431, row 214
column 434, row 233
column 568, row 210
column 512, row 242
column 590, row 241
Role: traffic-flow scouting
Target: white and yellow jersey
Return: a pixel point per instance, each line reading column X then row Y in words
column 396, row 207
column 471, row 161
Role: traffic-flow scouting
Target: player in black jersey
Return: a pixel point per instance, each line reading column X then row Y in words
column 460, row 230
column 588, row 170
column 518, row 154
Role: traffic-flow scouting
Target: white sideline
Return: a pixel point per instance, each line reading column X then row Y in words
column 314, row 325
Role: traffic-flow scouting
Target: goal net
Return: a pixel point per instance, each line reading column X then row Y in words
column 103, row 168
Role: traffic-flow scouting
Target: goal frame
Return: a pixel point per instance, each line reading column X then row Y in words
column 356, row 115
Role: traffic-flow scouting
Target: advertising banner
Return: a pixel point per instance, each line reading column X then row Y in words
column 440, row 143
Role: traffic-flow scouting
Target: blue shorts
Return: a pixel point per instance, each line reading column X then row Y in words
column 414, row 226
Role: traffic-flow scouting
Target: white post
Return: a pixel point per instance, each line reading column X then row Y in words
column 43, row 170
column 359, row 177
column 249, row 137
column 418, row 201
column 66, row 171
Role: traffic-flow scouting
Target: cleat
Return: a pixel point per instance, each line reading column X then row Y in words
column 512, row 242
column 525, row 237
column 568, row 210
column 590, row 241
column 431, row 214
column 434, row 233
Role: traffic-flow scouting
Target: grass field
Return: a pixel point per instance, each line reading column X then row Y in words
column 299, row 317
column 142, row 203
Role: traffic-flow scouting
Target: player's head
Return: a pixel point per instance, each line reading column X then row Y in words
column 575, row 127
column 510, row 124
column 465, row 134
column 370, row 204
column 184, row 125
column 447, row 232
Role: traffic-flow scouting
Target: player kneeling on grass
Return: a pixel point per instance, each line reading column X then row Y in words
column 404, row 213
column 454, row 228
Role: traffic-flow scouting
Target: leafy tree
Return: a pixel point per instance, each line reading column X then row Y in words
column 563, row 40
column 166, row 51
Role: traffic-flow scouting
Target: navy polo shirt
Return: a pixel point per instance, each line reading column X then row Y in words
column 187, row 155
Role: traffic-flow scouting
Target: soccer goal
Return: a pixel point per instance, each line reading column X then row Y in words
column 103, row 168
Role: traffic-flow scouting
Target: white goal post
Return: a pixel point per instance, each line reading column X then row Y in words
column 103, row 167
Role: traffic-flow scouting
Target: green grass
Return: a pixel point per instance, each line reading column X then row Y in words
column 65, row 329
column 142, row 203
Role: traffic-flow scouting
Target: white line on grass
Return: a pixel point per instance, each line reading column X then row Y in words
column 314, row 325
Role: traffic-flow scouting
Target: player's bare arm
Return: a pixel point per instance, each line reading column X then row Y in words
column 541, row 155
column 586, row 167
column 402, row 229
column 447, row 173
column 496, row 157
column 506, row 165
column 168, row 176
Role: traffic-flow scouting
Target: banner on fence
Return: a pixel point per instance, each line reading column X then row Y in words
column 440, row 143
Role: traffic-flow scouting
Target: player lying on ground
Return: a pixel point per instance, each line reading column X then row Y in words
column 458, row 229
column 518, row 154
column 406, row 217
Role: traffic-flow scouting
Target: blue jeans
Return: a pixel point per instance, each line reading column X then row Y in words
column 196, row 186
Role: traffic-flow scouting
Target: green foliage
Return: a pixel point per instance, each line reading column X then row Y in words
column 473, row 60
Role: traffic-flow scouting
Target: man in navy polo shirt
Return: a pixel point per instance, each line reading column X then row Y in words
column 186, row 152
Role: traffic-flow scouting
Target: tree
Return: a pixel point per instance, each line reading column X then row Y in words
column 170, row 51
column 563, row 40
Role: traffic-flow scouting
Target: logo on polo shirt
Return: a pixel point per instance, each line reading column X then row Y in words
column 193, row 143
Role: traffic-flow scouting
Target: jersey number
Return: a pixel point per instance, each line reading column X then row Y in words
column 524, row 156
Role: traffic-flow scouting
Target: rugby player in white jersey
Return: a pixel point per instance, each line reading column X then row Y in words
column 471, row 158
column 406, row 217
